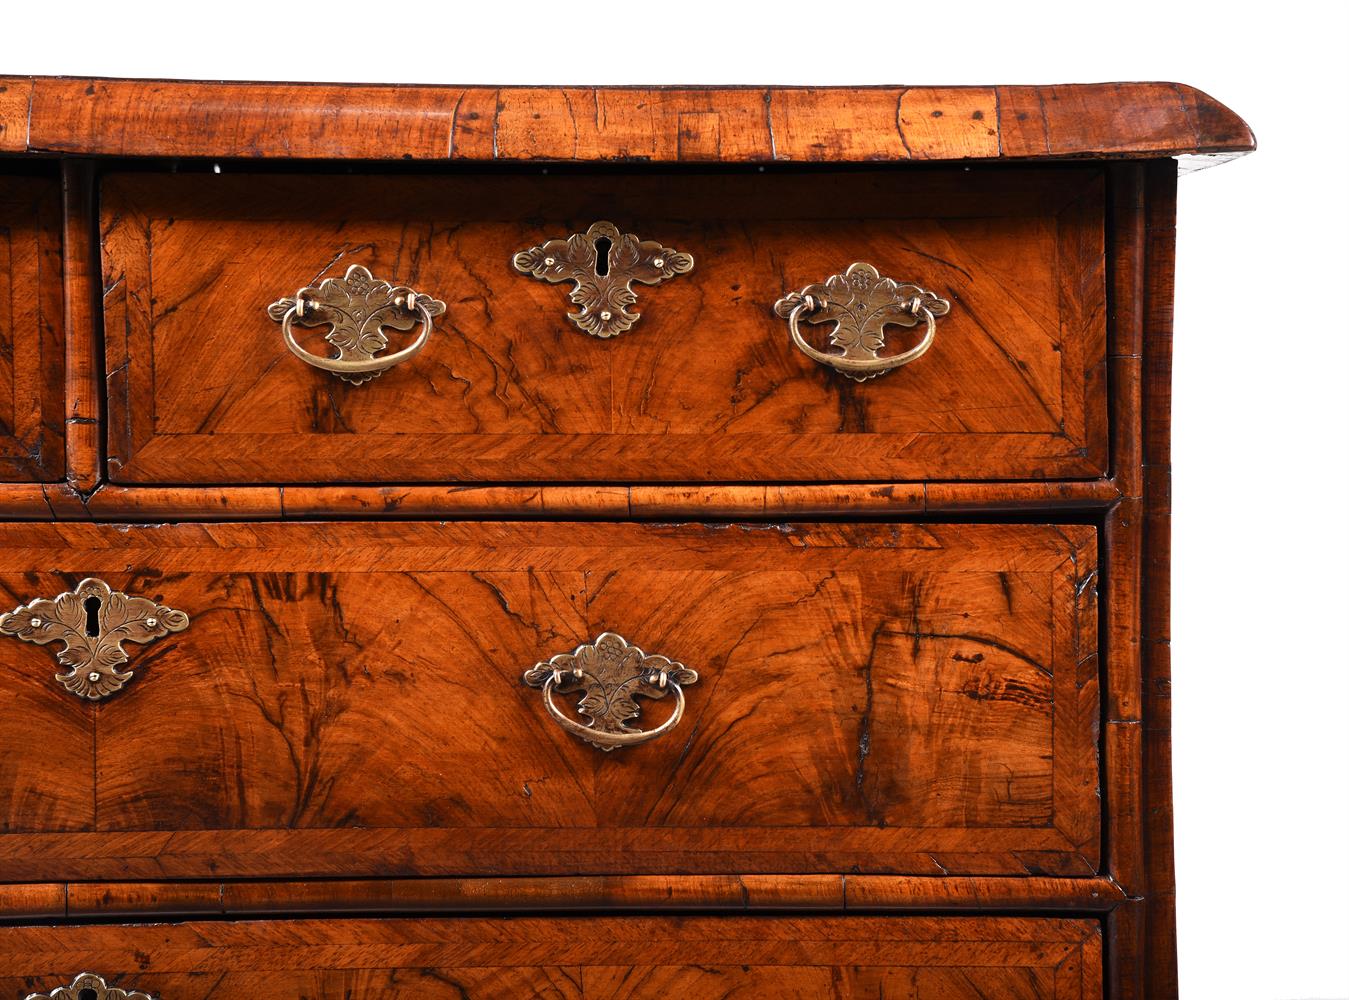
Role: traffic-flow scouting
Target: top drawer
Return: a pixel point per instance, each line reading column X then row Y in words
column 707, row 386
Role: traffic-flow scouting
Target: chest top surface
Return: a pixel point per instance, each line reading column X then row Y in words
column 643, row 124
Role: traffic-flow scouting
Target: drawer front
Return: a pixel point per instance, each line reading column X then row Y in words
column 348, row 699
column 706, row 386
column 32, row 358
column 627, row 958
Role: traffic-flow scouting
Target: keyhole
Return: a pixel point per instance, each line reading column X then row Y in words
column 87, row 993
column 602, row 245
column 91, row 606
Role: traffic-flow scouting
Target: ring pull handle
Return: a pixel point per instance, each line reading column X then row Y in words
column 359, row 308
column 861, row 303
column 611, row 674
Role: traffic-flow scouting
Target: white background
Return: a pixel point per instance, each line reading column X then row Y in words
column 1261, row 578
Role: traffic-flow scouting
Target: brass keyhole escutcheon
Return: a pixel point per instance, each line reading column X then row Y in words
column 92, row 622
column 602, row 263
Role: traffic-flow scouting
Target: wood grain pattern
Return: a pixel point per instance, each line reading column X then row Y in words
column 201, row 388
column 83, row 290
column 451, row 895
column 887, row 698
column 703, row 893
column 890, row 893
column 31, row 338
column 32, row 902
column 1123, row 566
column 700, row 893
column 1141, row 931
column 275, row 827
column 1159, row 955
column 590, row 958
column 16, row 94
column 665, row 125
column 46, row 743
column 27, row 502
column 1123, row 572
column 113, row 502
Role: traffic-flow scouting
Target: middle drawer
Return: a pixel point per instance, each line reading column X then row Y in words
column 349, row 698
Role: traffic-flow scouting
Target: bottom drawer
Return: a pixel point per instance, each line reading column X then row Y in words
column 919, row 958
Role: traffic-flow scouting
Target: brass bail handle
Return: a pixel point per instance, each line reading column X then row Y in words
column 359, row 308
column 610, row 674
column 861, row 303
column 608, row 740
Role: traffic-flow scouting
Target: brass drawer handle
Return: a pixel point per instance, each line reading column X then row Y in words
column 861, row 303
column 87, row 986
column 611, row 673
column 602, row 263
column 359, row 308
column 92, row 621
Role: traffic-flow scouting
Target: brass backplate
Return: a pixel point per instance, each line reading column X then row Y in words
column 91, row 622
column 602, row 263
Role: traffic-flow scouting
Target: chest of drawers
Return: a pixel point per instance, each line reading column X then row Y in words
column 587, row 543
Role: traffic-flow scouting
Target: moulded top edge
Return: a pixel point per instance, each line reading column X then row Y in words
column 107, row 117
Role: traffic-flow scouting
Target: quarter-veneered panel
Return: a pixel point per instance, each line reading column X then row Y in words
column 348, row 699
column 706, row 387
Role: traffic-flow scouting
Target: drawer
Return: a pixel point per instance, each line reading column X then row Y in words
column 350, row 699
column 586, row 958
column 706, row 386
column 32, row 345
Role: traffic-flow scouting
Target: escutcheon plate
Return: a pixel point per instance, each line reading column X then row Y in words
column 602, row 263
column 92, row 621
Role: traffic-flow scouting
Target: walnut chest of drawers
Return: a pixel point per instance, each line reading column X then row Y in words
column 587, row 543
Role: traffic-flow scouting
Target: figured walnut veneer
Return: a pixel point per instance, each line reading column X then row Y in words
column 708, row 387
column 928, row 753
column 32, row 366
column 670, row 124
column 846, row 669
column 580, row 958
